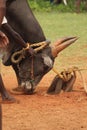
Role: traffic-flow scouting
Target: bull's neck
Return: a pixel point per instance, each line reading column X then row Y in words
column 21, row 18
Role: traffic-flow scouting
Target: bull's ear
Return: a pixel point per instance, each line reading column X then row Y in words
column 62, row 44
column 47, row 60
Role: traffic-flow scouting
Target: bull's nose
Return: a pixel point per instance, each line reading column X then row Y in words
column 28, row 85
column 28, row 88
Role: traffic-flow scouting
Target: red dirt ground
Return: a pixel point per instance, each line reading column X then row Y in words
column 66, row 111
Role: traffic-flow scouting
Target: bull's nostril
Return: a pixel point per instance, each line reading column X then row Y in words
column 22, row 84
column 28, row 85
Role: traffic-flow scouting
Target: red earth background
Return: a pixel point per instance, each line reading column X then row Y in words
column 66, row 111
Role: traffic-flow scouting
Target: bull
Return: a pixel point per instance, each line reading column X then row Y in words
column 31, row 69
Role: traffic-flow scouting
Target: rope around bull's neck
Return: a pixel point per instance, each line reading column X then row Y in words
column 21, row 54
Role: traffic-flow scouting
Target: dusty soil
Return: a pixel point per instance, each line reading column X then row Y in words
column 66, row 111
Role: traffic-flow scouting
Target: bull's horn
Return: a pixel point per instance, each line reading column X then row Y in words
column 62, row 44
column 62, row 40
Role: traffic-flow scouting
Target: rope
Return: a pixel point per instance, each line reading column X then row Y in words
column 40, row 45
column 19, row 55
column 67, row 74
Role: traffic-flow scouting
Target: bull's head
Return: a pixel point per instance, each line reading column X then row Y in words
column 32, row 69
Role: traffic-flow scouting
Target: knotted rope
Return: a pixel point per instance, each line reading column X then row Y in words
column 19, row 55
column 67, row 74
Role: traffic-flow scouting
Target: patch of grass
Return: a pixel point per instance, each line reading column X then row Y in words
column 56, row 25
column 45, row 5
